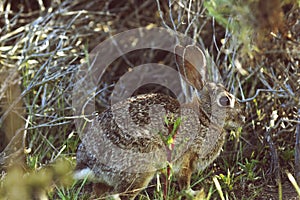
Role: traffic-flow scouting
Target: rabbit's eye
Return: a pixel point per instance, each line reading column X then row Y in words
column 224, row 101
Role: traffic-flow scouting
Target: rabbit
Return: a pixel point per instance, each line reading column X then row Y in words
column 126, row 145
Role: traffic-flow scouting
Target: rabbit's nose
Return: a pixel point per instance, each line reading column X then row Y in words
column 242, row 118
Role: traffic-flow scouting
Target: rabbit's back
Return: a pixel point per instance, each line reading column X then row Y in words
column 129, row 133
column 134, row 124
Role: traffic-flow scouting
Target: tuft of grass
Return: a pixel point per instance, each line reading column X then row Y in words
column 219, row 188
column 294, row 182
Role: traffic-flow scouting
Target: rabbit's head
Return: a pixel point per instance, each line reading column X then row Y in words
column 213, row 101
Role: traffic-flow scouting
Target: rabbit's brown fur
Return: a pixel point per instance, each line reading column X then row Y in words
column 125, row 145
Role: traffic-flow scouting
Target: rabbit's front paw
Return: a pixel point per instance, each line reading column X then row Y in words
column 114, row 197
column 196, row 194
column 191, row 192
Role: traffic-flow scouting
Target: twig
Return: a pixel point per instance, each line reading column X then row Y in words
column 297, row 151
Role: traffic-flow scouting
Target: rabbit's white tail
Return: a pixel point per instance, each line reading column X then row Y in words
column 85, row 173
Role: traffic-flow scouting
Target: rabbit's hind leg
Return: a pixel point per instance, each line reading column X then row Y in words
column 102, row 189
column 186, row 169
column 134, row 184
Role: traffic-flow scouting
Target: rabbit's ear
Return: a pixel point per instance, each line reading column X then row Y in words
column 179, row 50
column 192, row 65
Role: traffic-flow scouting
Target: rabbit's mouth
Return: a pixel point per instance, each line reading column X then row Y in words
column 235, row 123
column 231, row 125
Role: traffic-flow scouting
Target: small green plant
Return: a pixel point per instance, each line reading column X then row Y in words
column 172, row 125
column 249, row 167
column 228, row 179
column 72, row 192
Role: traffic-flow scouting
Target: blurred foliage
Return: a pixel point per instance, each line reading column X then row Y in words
column 35, row 184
